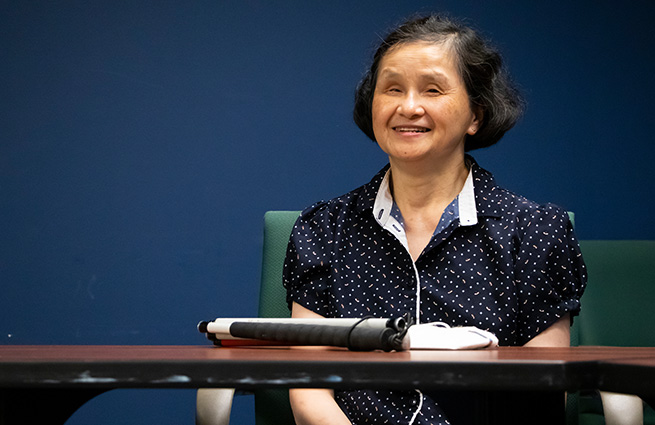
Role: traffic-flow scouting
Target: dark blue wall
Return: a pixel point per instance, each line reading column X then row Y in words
column 142, row 142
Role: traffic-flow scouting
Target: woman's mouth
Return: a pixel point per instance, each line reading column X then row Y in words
column 411, row 129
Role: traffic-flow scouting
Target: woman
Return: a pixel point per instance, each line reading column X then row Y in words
column 432, row 234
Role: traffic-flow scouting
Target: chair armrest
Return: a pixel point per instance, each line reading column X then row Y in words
column 213, row 406
column 622, row 409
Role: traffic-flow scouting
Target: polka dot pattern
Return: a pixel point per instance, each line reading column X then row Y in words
column 513, row 273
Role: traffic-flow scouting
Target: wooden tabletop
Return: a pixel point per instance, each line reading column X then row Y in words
column 120, row 353
column 208, row 366
column 130, row 353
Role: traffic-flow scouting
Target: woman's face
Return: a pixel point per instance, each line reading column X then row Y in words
column 421, row 110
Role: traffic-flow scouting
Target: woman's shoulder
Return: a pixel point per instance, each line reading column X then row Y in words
column 502, row 202
column 345, row 206
column 331, row 212
column 525, row 208
column 527, row 216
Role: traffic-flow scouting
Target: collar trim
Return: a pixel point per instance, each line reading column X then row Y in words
column 382, row 211
column 468, row 214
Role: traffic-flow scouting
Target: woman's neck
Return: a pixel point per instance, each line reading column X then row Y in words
column 416, row 188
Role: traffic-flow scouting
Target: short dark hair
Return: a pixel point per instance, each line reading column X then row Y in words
column 487, row 82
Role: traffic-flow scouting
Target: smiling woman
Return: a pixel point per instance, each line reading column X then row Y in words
column 478, row 64
column 431, row 235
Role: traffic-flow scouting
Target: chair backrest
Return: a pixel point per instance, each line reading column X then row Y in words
column 272, row 406
column 272, row 295
column 618, row 302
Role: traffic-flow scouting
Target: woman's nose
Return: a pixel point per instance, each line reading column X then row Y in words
column 410, row 106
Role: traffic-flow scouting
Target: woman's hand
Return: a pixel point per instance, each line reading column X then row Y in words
column 314, row 406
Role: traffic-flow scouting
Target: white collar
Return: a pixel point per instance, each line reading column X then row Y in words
column 468, row 214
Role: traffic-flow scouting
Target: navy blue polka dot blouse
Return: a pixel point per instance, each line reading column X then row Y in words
column 496, row 261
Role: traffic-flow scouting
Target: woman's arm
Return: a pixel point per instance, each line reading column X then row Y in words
column 557, row 335
column 314, row 406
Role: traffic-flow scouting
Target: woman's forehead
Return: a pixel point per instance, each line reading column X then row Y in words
column 418, row 57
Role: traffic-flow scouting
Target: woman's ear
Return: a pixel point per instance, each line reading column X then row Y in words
column 476, row 123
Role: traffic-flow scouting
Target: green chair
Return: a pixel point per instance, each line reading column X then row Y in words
column 271, row 406
column 616, row 306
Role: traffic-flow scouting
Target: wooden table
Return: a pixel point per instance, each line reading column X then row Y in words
column 59, row 379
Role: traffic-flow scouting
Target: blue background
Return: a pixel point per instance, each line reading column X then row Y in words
column 142, row 142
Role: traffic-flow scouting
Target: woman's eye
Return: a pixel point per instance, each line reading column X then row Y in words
column 434, row 91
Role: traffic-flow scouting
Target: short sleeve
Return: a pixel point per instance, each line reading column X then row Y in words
column 306, row 275
column 550, row 274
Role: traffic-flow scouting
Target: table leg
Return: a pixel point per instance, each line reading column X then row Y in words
column 42, row 406
column 526, row 407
